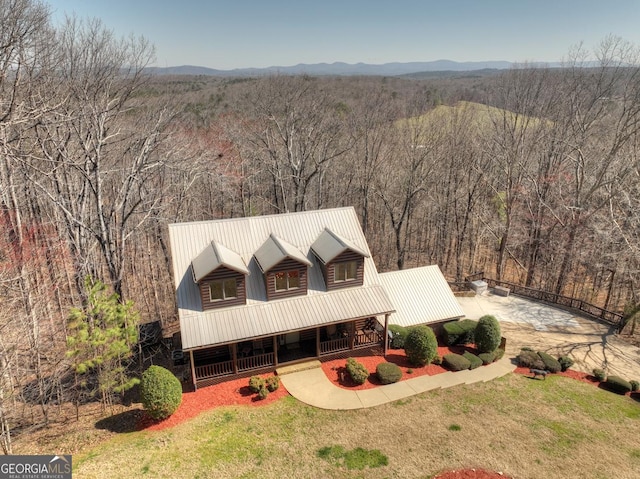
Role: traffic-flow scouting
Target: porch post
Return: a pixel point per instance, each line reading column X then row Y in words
column 352, row 334
column 317, row 341
column 275, row 350
column 386, row 334
column 234, row 357
column 193, row 370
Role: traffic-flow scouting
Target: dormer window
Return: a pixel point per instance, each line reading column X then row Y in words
column 223, row 289
column 287, row 280
column 221, row 277
column 284, row 268
column 346, row 271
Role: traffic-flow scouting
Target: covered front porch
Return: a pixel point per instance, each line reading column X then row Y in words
column 252, row 356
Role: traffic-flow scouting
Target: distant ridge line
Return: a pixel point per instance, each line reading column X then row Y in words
column 341, row 69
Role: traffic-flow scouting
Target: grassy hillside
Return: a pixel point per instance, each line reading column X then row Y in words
column 557, row 428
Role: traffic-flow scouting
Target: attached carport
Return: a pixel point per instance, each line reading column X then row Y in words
column 421, row 296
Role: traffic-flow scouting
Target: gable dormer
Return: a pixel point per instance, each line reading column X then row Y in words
column 341, row 260
column 221, row 277
column 284, row 268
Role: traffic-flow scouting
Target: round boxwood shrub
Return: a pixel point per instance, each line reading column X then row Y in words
column 398, row 335
column 599, row 374
column 529, row 359
column 565, row 362
column 459, row 332
column 488, row 334
column 160, row 392
column 421, row 345
column 618, row 385
column 551, row 364
column 357, row 371
column 256, row 383
column 263, row 392
column 487, row 358
column 388, row 373
column 272, row 383
column 499, row 353
column 635, row 385
column 456, row 362
column 474, row 361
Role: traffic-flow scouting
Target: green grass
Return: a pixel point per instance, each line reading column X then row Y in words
column 354, row 459
column 526, row 429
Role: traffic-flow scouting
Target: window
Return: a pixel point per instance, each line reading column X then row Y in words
column 345, row 271
column 223, row 289
column 287, row 280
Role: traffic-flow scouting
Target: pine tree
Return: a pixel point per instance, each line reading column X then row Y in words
column 100, row 340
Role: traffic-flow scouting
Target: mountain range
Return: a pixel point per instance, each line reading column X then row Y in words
column 340, row 69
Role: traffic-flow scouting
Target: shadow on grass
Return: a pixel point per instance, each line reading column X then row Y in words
column 127, row 421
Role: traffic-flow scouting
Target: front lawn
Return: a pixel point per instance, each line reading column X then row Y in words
column 526, row 428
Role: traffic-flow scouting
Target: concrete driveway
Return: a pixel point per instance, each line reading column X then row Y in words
column 528, row 323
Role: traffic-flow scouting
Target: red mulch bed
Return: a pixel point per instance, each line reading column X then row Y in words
column 337, row 372
column 471, row 474
column 230, row 393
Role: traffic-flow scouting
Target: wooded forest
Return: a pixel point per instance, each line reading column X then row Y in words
column 530, row 174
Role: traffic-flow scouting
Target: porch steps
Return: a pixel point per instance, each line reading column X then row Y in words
column 294, row 368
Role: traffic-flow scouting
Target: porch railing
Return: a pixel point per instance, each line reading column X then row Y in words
column 222, row 368
column 367, row 338
column 333, row 345
column 255, row 362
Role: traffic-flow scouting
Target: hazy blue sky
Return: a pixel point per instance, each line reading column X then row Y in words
column 228, row 34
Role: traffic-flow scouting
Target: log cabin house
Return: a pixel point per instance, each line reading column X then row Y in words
column 254, row 293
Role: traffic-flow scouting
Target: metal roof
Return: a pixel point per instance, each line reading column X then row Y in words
column 274, row 250
column 258, row 320
column 329, row 245
column 260, row 317
column 214, row 256
column 420, row 295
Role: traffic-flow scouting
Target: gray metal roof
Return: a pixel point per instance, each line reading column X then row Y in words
column 214, row 256
column 258, row 320
column 274, row 250
column 260, row 317
column 420, row 296
column 329, row 245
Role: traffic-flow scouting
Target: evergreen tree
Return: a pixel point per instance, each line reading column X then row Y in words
column 100, row 340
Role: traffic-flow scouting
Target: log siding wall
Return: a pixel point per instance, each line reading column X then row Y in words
column 329, row 271
column 223, row 273
column 286, row 265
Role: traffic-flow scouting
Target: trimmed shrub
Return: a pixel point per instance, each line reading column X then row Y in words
column 474, row 361
column 565, row 363
column 437, row 360
column 599, row 374
column 398, row 335
column 421, row 345
column 456, row 362
column 388, row 373
column 618, row 385
column 488, row 334
column 529, row 359
column 160, row 392
column 256, row 383
column 357, row 371
column 487, row 358
column 635, row 385
column 551, row 364
column 272, row 383
column 499, row 354
column 263, row 392
column 459, row 332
